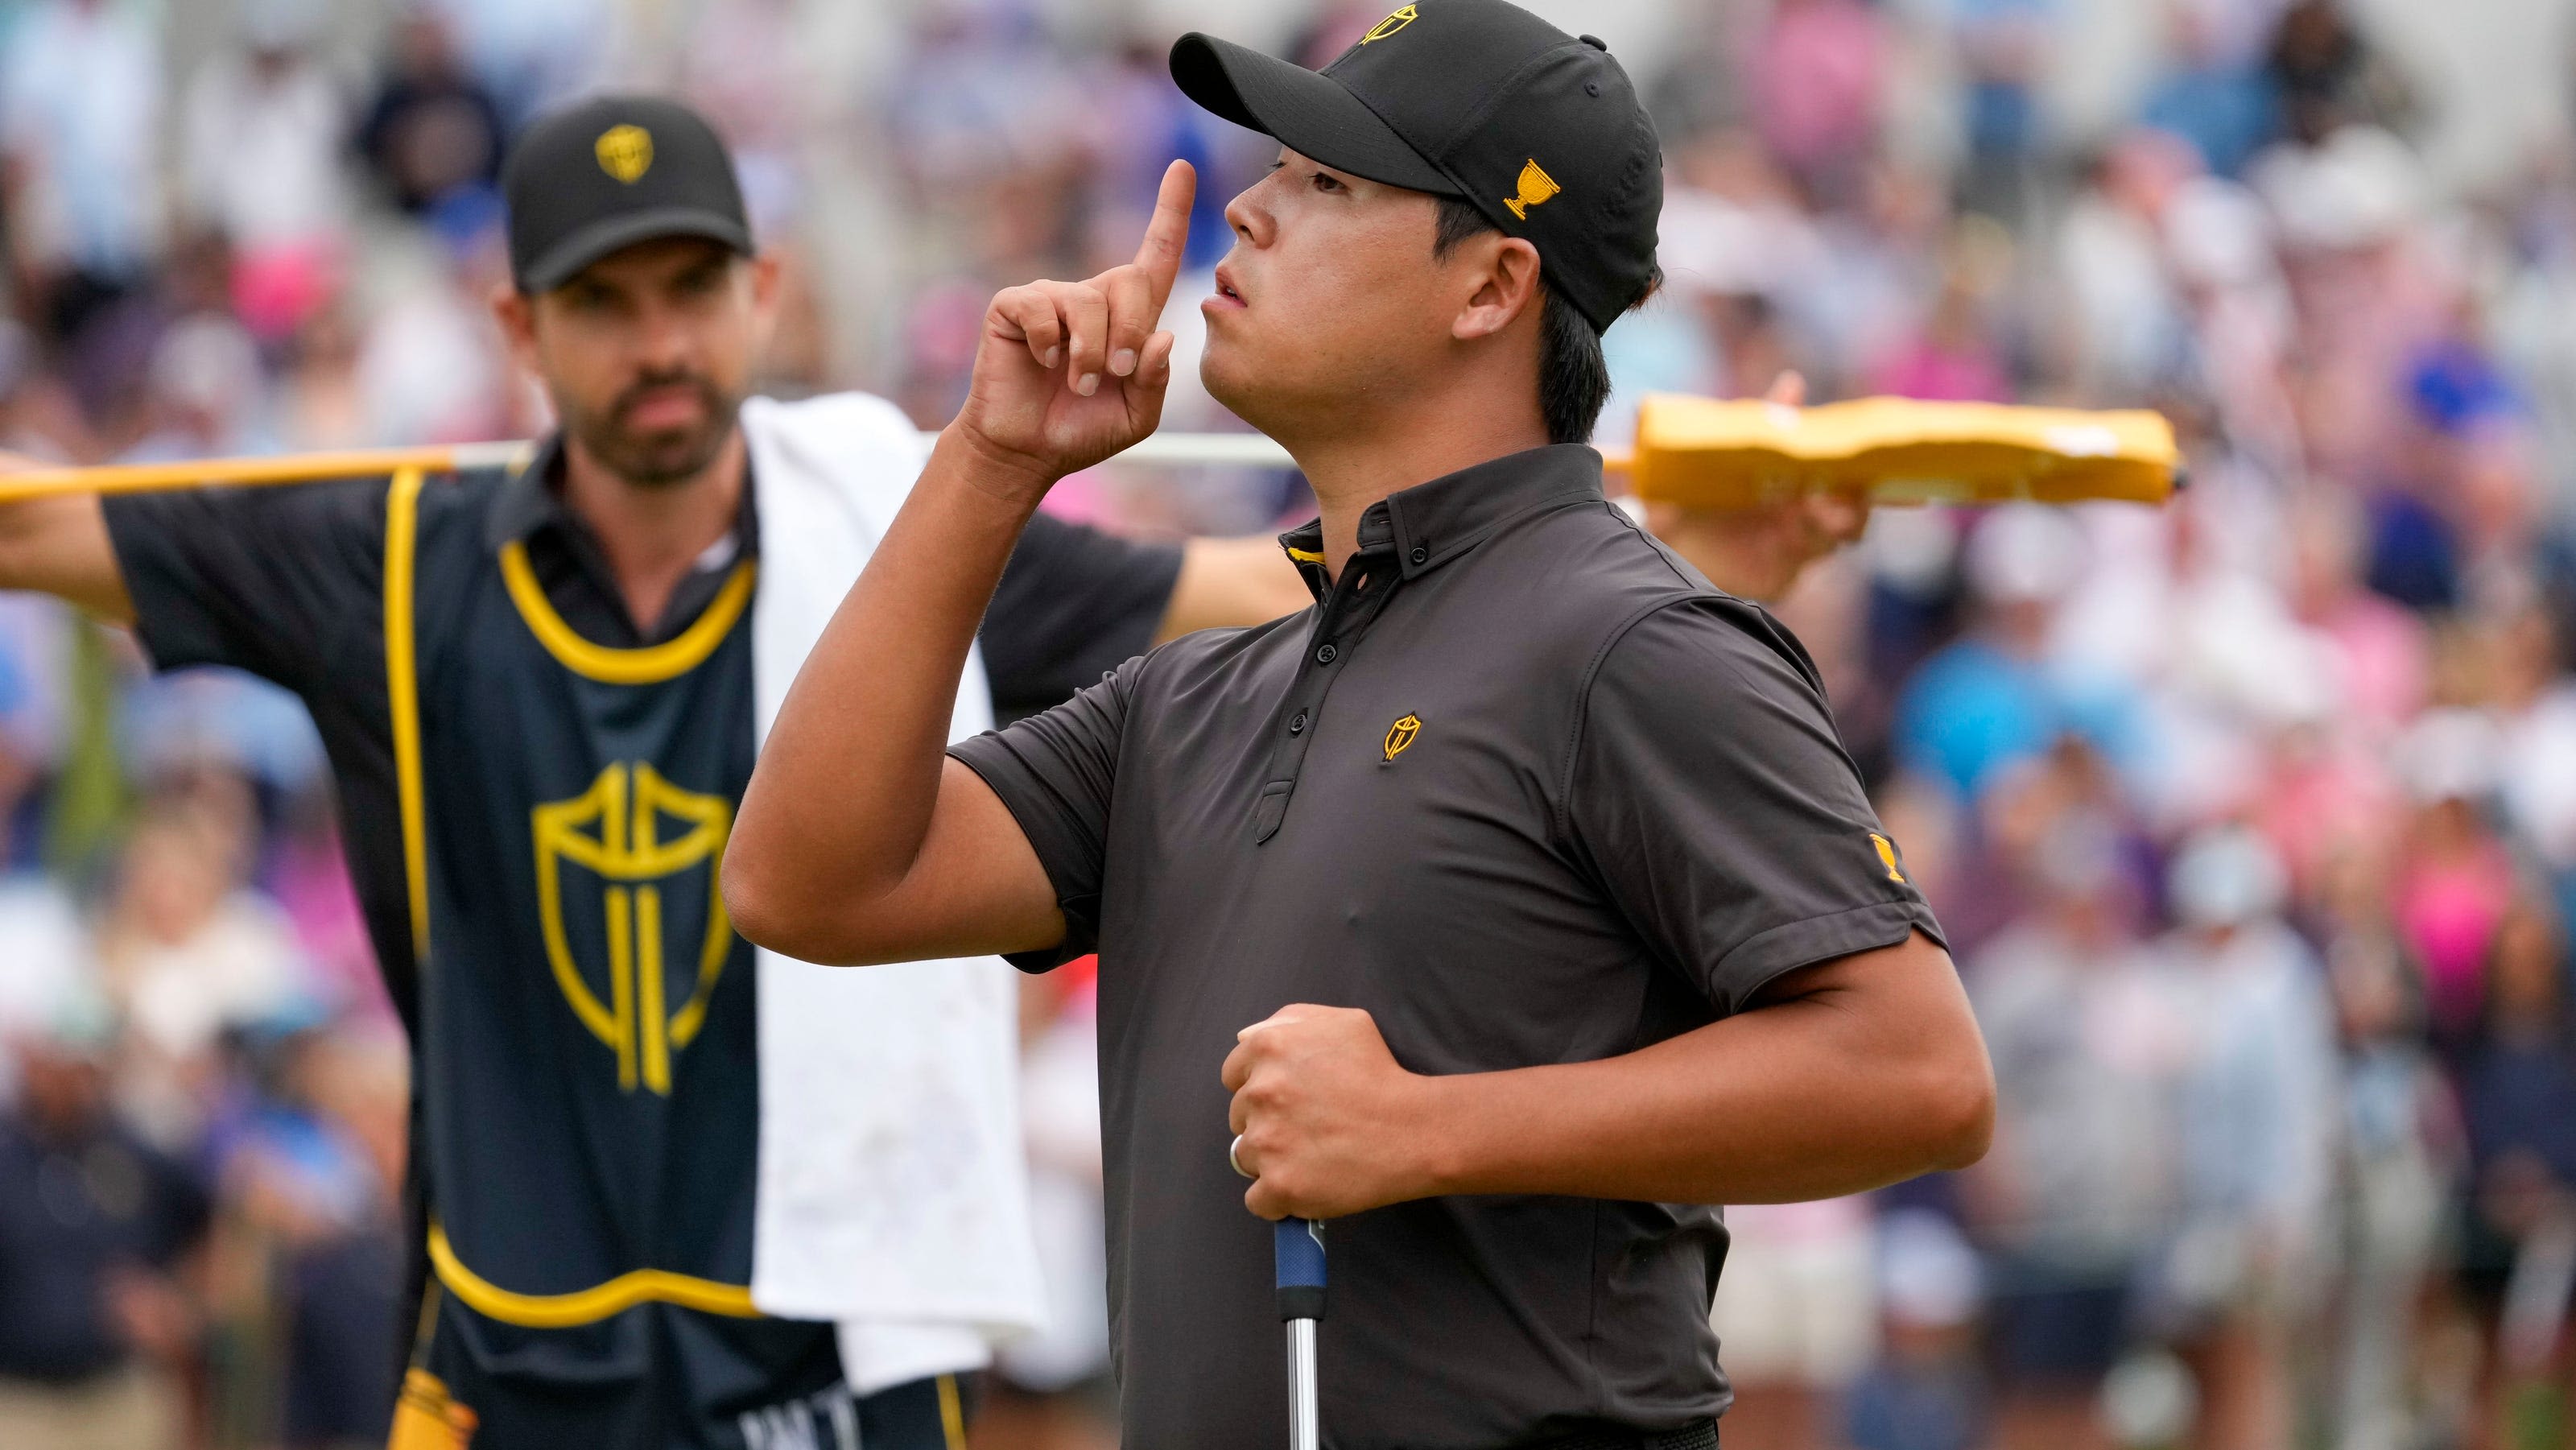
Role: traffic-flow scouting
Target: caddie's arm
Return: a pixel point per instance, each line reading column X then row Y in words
column 858, row 839
column 1230, row 583
column 1760, row 553
column 1757, row 553
column 60, row 546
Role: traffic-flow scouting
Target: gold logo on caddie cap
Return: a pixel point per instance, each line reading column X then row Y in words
column 1535, row 186
column 1887, row 857
column 625, row 152
column 1399, row 736
column 1403, row 16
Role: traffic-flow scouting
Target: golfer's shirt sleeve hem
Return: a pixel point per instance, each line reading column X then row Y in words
column 1068, row 854
column 1755, row 964
column 1710, row 793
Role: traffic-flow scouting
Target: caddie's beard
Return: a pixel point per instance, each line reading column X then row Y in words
column 662, row 457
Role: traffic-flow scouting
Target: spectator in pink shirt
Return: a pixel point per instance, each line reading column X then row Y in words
column 1818, row 77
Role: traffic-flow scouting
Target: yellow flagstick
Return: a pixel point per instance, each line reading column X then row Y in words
column 1168, row 449
column 283, row 468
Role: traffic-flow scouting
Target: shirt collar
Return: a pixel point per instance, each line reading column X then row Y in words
column 531, row 499
column 1429, row 524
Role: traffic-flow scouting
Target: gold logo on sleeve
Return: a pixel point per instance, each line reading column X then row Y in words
column 613, row 831
column 1535, row 186
column 1401, row 18
column 1399, row 736
column 1887, row 857
column 625, row 152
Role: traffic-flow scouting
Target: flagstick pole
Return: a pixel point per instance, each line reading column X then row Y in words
column 284, row 468
column 1166, row 450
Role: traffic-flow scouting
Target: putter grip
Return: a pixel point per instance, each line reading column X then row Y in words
column 1298, row 1247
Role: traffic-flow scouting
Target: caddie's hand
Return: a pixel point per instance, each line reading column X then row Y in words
column 1069, row 373
column 1327, row 1116
column 1759, row 552
column 57, row 544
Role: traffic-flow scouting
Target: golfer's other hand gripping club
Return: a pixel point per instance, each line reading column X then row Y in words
column 1331, row 1122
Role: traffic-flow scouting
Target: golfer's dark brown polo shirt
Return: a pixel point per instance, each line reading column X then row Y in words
column 1527, row 788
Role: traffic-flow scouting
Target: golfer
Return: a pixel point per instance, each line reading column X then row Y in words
column 1506, row 907
column 655, row 1170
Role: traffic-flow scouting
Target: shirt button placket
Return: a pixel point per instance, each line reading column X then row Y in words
column 1289, row 757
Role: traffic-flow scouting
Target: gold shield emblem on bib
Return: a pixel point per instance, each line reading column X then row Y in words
column 614, row 830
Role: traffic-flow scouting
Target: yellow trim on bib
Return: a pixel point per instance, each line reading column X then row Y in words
column 647, row 666
column 952, row 1413
column 583, row 1306
column 427, row 1417
column 402, row 689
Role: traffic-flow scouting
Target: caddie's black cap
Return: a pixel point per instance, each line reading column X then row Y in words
column 609, row 172
column 1475, row 99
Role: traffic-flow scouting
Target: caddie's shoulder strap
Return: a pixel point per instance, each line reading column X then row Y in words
column 402, row 686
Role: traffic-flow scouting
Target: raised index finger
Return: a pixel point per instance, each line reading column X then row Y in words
column 1168, row 234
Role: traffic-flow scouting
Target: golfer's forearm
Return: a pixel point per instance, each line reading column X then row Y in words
column 844, row 794
column 1808, row 1098
column 1719, row 1116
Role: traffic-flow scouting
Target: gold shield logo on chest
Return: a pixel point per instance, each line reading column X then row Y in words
column 615, row 831
column 1401, row 734
column 1402, row 16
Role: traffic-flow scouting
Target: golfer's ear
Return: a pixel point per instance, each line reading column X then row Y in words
column 1506, row 286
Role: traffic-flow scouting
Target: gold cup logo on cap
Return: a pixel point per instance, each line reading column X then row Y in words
column 1535, row 186
column 625, row 152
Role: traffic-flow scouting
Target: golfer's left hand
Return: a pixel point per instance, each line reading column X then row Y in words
column 1325, row 1113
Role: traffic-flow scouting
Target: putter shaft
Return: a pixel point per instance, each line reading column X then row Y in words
column 1303, row 1431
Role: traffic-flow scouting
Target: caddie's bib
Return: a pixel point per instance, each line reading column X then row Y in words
column 588, row 1014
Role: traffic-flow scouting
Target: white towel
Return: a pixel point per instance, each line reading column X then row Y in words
column 892, row 1194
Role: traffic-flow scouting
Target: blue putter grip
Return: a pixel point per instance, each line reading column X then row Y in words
column 1298, row 1248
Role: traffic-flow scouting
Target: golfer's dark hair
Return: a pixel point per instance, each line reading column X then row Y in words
column 1573, row 377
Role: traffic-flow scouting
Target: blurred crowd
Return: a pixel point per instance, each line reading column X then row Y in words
column 2252, row 820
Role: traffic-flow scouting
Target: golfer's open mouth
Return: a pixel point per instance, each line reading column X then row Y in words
column 1226, row 295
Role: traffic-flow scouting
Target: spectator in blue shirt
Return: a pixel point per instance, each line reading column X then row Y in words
column 96, row 1228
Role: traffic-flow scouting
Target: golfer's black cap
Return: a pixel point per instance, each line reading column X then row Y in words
column 1476, row 99
column 609, row 172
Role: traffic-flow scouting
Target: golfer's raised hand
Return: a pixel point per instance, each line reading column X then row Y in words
column 1069, row 373
column 1332, row 1124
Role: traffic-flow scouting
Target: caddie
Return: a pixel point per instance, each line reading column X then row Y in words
column 1508, row 907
